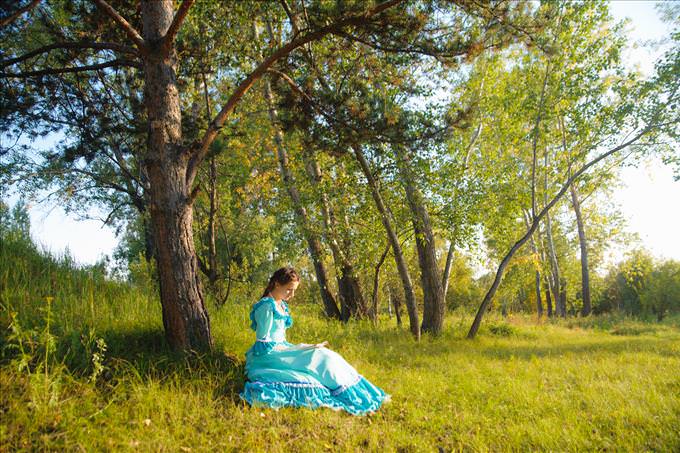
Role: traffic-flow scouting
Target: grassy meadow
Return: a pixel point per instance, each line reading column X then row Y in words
column 84, row 367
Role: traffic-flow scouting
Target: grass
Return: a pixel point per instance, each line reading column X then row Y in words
column 102, row 378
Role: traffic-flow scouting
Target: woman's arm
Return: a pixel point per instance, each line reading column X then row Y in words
column 264, row 318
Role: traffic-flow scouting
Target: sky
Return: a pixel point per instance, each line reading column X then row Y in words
column 643, row 197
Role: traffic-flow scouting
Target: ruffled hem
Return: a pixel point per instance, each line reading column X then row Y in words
column 359, row 398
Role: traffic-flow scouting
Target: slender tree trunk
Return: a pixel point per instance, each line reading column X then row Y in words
column 547, row 284
column 585, row 272
column 563, row 296
column 447, row 269
column 208, row 265
column 431, row 280
column 548, row 298
column 313, row 241
column 452, row 247
column 212, row 249
column 186, row 321
column 352, row 301
column 554, row 264
column 534, row 250
column 399, row 260
column 373, row 312
column 395, row 302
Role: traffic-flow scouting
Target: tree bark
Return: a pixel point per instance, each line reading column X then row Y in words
column 555, row 269
column 554, row 264
column 352, row 301
column 395, row 302
column 563, row 296
column 548, row 298
column 447, row 269
column 547, row 284
column 431, row 280
column 399, row 260
column 534, row 250
column 186, row 321
column 212, row 195
column 313, row 242
column 373, row 312
column 585, row 272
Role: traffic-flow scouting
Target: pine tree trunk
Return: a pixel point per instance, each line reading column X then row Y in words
column 399, row 260
column 186, row 321
column 585, row 272
column 313, row 242
column 431, row 281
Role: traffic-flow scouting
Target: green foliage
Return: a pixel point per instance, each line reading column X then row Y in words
column 625, row 283
column 464, row 290
column 661, row 294
column 641, row 286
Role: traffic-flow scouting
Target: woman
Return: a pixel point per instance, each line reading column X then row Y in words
column 283, row 374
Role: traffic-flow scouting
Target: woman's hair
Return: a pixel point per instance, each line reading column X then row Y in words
column 282, row 276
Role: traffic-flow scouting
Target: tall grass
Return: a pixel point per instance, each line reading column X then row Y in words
column 84, row 366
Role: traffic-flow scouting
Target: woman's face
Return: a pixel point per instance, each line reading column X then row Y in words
column 287, row 291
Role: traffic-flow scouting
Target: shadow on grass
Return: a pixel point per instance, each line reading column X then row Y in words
column 126, row 355
column 147, row 354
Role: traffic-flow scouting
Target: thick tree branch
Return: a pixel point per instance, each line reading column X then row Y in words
column 177, row 23
column 129, row 29
column 69, row 45
column 107, row 64
column 199, row 152
column 12, row 17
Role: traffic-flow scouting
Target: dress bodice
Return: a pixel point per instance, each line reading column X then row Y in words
column 269, row 324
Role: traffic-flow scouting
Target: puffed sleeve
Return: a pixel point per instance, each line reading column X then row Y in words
column 264, row 318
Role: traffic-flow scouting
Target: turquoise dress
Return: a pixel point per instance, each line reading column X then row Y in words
column 283, row 374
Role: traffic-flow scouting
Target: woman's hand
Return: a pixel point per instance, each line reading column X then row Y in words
column 322, row 344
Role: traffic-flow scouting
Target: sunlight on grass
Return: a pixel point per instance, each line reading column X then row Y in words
column 573, row 385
